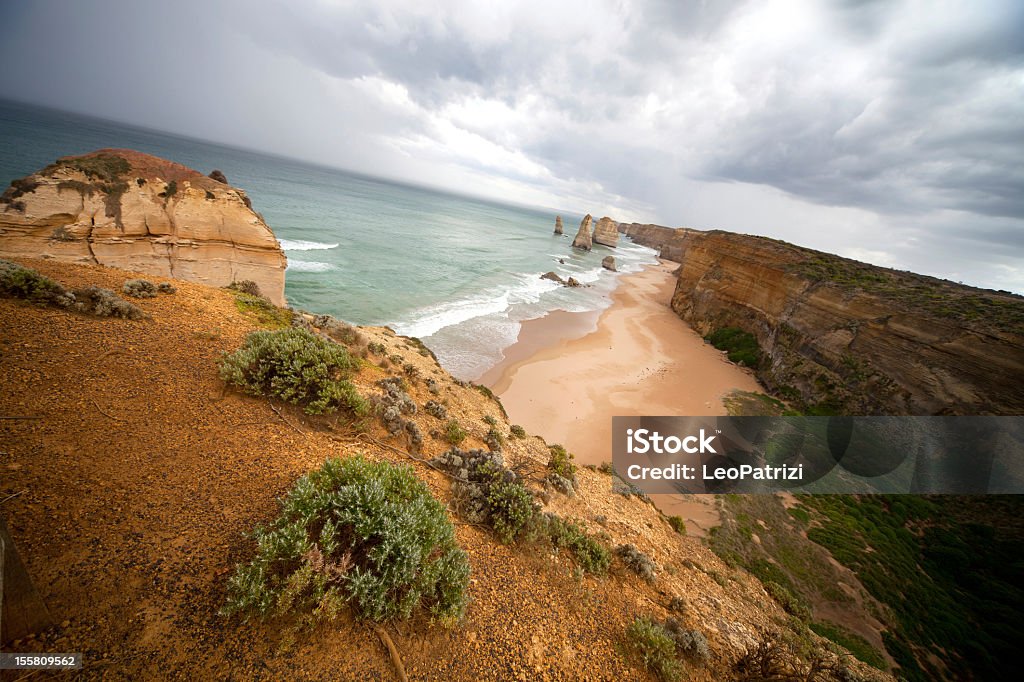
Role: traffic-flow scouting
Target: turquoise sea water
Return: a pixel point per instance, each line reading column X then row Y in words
column 459, row 273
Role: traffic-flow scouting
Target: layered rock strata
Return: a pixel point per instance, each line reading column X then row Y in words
column 606, row 233
column 583, row 238
column 850, row 337
column 125, row 209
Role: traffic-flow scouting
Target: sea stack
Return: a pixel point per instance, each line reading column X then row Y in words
column 129, row 210
column 558, row 224
column 608, row 263
column 606, row 232
column 583, row 240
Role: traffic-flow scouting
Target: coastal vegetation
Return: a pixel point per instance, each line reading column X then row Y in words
column 297, row 367
column 359, row 533
column 740, row 346
column 947, row 572
column 17, row 281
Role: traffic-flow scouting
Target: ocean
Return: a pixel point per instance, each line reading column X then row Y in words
column 459, row 273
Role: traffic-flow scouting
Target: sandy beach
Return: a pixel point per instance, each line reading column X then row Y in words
column 568, row 374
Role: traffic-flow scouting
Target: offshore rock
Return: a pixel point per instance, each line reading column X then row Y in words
column 130, row 210
column 583, row 239
column 606, row 232
column 608, row 263
column 553, row 276
column 558, row 224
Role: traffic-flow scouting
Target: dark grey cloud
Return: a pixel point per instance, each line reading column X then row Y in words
column 893, row 125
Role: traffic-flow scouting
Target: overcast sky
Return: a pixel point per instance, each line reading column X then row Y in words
column 889, row 131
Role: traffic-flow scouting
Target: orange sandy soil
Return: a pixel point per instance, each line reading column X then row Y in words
column 566, row 377
column 142, row 474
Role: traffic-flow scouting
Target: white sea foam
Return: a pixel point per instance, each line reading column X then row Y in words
column 303, row 245
column 427, row 321
column 309, row 266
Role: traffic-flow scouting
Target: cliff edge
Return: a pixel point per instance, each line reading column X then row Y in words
column 842, row 336
column 130, row 210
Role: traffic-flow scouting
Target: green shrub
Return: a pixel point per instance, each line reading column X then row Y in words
column 264, row 311
column 17, row 281
column 490, row 421
column 852, row 642
column 518, row 431
column 511, row 509
column 560, row 462
column 495, row 441
column 591, row 555
column 789, row 603
column 678, row 524
column 139, row 288
column 245, row 286
column 637, row 561
column 741, row 346
column 365, row 533
column 453, row 433
column 297, row 367
column 166, row 288
column 656, row 647
column 105, row 303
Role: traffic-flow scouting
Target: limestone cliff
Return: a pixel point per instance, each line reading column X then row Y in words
column 558, row 224
column 851, row 337
column 129, row 210
column 583, row 239
column 606, row 232
column 668, row 241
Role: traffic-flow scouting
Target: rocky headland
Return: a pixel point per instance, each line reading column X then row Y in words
column 130, row 210
column 837, row 335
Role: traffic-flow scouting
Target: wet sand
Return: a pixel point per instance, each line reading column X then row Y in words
column 566, row 377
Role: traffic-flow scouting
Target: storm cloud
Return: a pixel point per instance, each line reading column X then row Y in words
column 887, row 131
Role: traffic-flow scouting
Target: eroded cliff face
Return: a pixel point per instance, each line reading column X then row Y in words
column 129, row 210
column 668, row 241
column 606, row 233
column 851, row 337
column 583, row 238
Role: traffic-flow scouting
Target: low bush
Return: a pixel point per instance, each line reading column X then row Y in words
column 246, row 286
column 264, row 311
column 435, row 409
column 518, row 431
column 495, row 441
column 786, row 599
column 511, row 509
column 297, row 367
column 105, row 303
column 339, row 330
column 656, row 647
column 560, row 462
column 591, row 555
column 355, row 532
column 166, row 288
column 453, row 433
column 690, row 643
column 678, row 524
column 637, row 561
column 17, row 281
column 139, row 288
column 741, row 346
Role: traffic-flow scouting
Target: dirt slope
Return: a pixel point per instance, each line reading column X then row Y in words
column 142, row 474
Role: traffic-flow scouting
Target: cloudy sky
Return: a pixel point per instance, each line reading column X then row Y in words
column 885, row 130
